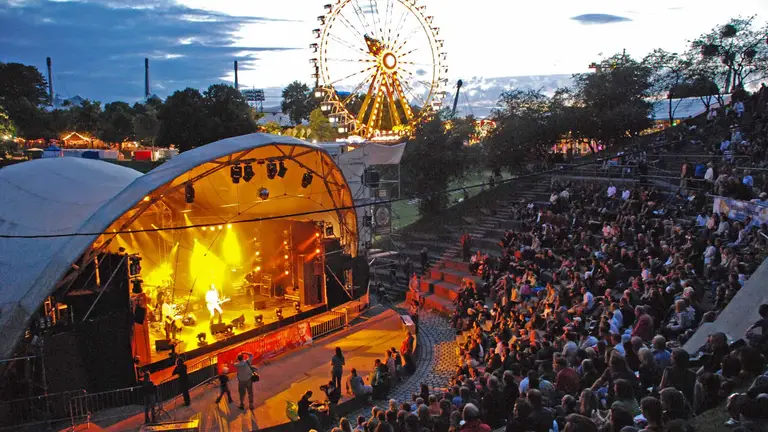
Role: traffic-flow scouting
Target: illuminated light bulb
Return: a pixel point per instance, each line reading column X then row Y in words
column 146, row 198
column 286, row 257
column 229, row 226
column 285, row 241
column 317, row 250
column 317, row 234
column 258, row 253
column 221, row 226
column 286, row 272
column 258, row 268
column 204, row 228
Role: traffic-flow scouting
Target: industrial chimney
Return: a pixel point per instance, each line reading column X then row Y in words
column 50, row 80
column 237, row 85
column 146, row 78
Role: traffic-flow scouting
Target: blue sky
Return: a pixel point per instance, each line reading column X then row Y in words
column 98, row 46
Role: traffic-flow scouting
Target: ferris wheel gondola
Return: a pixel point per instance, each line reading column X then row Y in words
column 379, row 66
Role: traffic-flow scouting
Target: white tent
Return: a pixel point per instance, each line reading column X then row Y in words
column 52, row 211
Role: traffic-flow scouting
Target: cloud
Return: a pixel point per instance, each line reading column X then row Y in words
column 98, row 46
column 592, row 19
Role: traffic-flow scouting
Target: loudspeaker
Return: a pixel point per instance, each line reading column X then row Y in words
column 259, row 304
column 163, row 345
column 219, row 328
column 139, row 314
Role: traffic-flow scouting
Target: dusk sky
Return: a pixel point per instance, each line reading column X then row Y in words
column 98, row 46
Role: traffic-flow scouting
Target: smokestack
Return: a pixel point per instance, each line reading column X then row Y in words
column 146, row 78
column 237, row 85
column 50, row 79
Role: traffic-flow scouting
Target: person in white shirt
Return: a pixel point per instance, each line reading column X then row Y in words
column 739, row 108
column 709, row 176
column 625, row 195
column 611, row 191
column 167, row 318
column 213, row 303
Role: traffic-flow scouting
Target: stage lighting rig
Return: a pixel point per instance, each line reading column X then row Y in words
column 236, row 172
column 189, row 193
column 134, row 265
column 283, row 170
column 264, row 194
column 297, row 307
column 306, row 179
column 248, row 173
column 271, row 170
column 201, row 339
column 258, row 320
column 279, row 313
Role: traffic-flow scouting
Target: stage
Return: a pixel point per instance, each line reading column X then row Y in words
column 286, row 379
column 187, row 338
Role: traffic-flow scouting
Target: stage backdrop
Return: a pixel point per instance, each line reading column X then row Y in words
column 739, row 210
column 269, row 345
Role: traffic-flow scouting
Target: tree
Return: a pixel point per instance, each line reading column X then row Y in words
column 320, row 126
column 117, row 123
column 183, row 120
column 272, row 127
column 433, row 158
column 7, row 129
column 669, row 75
column 22, row 95
column 733, row 52
column 298, row 102
column 228, row 113
column 86, row 117
column 613, row 100
column 146, row 125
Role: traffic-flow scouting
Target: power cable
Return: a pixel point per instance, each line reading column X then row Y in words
column 560, row 169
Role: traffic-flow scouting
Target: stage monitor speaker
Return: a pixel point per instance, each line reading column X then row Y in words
column 219, row 328
column 163, row 345
column 139, row 314
column 259, row 304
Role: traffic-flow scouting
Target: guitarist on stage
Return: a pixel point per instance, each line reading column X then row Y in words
column 213, row 302
column 168, row 315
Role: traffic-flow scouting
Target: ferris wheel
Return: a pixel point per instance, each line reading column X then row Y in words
column 379, row 66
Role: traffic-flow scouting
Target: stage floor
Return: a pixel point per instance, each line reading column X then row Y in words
column 187, row 337
column 287, row 378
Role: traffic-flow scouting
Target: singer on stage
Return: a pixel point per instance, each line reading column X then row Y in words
column 213, row 302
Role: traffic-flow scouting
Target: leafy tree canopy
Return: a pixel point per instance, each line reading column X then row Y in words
column 298, row 102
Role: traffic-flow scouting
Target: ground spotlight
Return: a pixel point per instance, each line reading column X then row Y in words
column 281, row 172
column 258, row 320
column 306, row 180
column 189, row 193
column 201, row 337
column 248, row 172
column 297, row 307
column 271, row 170
column 264, row 193
column 239, row 322
column 279, row 313
column 236, row 172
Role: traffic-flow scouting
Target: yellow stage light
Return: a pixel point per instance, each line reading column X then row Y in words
column 229, row 226
column 285, row 242
column 146, row 198
column 230, row 249
column 234, row 270
column 317, row 250
column 317, row 234
column 286, row 257
column 286, row 272
column 258, row 268
column 204, row 228
column 258, row 253
column 221, row 227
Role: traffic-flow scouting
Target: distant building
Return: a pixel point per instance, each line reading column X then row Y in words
column 682, row 109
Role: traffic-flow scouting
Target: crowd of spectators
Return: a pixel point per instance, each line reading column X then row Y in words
column 578, row 321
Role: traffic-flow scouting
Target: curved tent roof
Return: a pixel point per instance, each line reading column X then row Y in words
column 91, row 198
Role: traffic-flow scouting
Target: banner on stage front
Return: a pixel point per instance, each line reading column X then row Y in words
column 739, row 210
column 268, row 346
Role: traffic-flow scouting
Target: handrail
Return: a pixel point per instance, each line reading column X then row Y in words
column 34, row 410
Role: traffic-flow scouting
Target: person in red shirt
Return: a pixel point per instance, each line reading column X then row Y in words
column 567, row 380
column 644, row 325
column 471, row 420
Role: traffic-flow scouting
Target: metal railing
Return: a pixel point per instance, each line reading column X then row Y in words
column 36, row 410
column 84, row 406
column 338, row 321
column 198, row 373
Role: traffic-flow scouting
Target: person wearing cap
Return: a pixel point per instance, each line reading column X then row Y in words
column 762, row 200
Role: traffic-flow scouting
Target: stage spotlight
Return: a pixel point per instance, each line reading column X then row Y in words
column 258, row 320
column 271, row 170
column 205, row 229
column 258, row 268
column 201, row 337
column 286, row 256
column 229, row 226
column 236, row 172
column 329, row 231
column 279, row 313
column 281, row 172
column 221, row 227
column 297, row 307
column 286, row 272
column 239, row 322
column 258, row 253
column 189, row 193
column 317, row 250
column 248, row 172
column 306, row 180
column 264, row 194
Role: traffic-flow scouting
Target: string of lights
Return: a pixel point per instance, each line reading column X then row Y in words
column 560, row 169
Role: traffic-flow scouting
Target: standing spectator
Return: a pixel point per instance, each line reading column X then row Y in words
column 337, row 367
column 245, row 370
column 424, row 256
column 224, row 385
column 149, row 391
column 181, row 371
column 406, row 349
